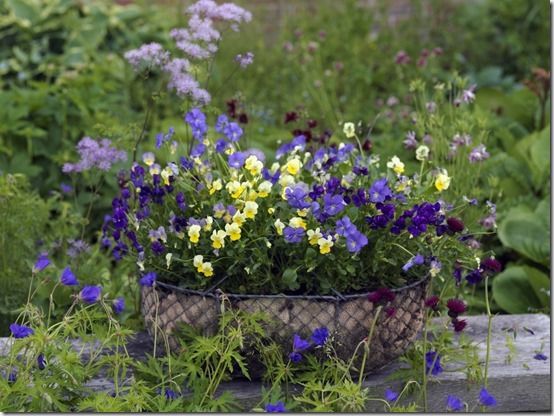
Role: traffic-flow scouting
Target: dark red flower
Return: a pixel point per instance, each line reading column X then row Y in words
column 243, row 118
column 455, row 307
column 291, row 116
column 432, row 302
column 386, row 294
column 374, row 297
column 491, row 265
column 232, row 108
column 390, row 311
column 459, row 324
column 367, row 145
column 455, row 225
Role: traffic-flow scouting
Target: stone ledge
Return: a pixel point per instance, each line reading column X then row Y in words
column 522, row 384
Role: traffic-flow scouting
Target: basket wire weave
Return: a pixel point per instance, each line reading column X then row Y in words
column 348, row 318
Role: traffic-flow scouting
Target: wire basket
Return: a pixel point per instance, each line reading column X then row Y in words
column 349, row 319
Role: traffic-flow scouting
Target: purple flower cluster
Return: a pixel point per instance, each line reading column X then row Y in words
column 245, row 60
column 231, row 130
column 478, row 154
column 417, row 219
column 355, row 240
column 94, row 154
column 148, row 55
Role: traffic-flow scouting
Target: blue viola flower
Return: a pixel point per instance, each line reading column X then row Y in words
column 474, row 277
column 293, row 235
column 12, row 377
column 355, row 241
column 454, row 403
column 233, row 132
column 221, row 145
column 486, row 399
column 157, row 248
column 180, row 199
column 540, row 356
column 418, row 259
column 433, row 363
column 221, row 123
column 41, row 362
column 333, row 205
column 196, row 119
column 379, row 191
column 148, row 279
column 198, row 150
column 170, row 394
column 320, row 335
column 68, row 278
column 21, row 331
column 236, row 160
column 118, row 305
column 278, row 407
column 266, row 174
column 42, row 263
column 186, row 163
column 90, row 294
column 298, row 141
column 391, row 395
column 296, row 196
column 344, row 226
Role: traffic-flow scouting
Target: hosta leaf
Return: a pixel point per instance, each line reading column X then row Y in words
column 513, row 292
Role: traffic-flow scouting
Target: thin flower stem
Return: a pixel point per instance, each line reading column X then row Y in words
column 424, row 363
column 489, row 329
column 367, row 346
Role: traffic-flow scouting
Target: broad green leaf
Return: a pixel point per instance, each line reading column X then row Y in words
column 289, row 279
column 25, row 10
column 540, row 283
column 513, row 292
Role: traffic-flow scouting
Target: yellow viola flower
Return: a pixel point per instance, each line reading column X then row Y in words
column 286, row 181
column 253, row 165
column 218, row 239
column 194, row 233
column 314, row 236
column 215, row 186
column 422, row 153
column 239, row 218
column 250, row 209
column 235, row 189
column 198, row 260
column 293, row 166
column 349, row 130
column 279, row 226
column 297, row 222
column 442, row 181
column 396, row 165
column 252, row 195
column 302, row 212
column 148, row 158
column 325, row 244
column 219, row 212
column 233, row 231
column 206, row 269
column 155, row 169
column 166, row 174
column 270, row 211
column 264, row 189
column 209, row 222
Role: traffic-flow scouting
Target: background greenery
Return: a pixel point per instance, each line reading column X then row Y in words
column 63, row 76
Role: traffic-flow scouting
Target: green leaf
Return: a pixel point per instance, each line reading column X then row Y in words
column 289, row 279
column 540, row 283
column 26, row 11
column 513, row 292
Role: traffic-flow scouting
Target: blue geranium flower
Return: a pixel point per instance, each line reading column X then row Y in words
column 320, row 335
column 90, row 294
column 433, row 363
column 278, row 407
column 68, row 278
column 391, row 395
column 540, row 356
column 118, row 305
column 42, row 263
column 486, row 399
column 41, row 362
column 148, row 279
column 454, row 403
column 21, row 331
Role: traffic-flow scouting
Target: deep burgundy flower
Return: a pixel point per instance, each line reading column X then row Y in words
column 455, row 307
column 291, row 116
column 491, row 265
column 390, row 312
column 459, row 324
column 312, row 124
column 386, row 294
column 374, row 297
column 243, row 118
column 455, row 225
column 367, row 145
column 432, row 302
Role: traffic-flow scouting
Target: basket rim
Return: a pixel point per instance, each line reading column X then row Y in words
column 216, row 292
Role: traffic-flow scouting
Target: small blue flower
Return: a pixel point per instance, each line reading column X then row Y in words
column 293, row 235
column 236, row 160
column 65, row 188
column 90, row 294
column 148, row 279
column 379, row 191
column 68, row 278
column 118, row 305
column 486, row 399
column 390, row 395
column 454, row 403
column 418, row 259
column 12, row 377
column 198, row 150
column 278, row 407
column 296, row 197
column 540, row 356
column 433, row 363
column 233, row 132
column 41, row 362
column 41, row 263
column 21, row 331
column 220, row 146
column 320, row 335
column 299, row 344
column 170, row 394
column 333, row 205
column 295, row 357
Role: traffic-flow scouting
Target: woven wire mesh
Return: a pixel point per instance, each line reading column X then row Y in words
column 349, row 318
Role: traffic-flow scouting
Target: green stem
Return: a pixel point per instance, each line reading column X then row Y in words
column 368, row 346
column 489, row 329
column 424, row 363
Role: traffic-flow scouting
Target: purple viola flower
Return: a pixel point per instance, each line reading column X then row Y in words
column 454, row 403
column 410, row 142
column 41, row 362
column 90, row 294
column 68, row 278
column 299, row 344
column 486, row 399
column 118, row 305
column 355, row 241
column 320, row 335
column 42, row 263
column 186, row 163
column 478, row 154
column 278, row 407
column 295, row 357
column 12, row 377
column 266, row 174
column 474, row 277
column 233, row 132
column 379, row 191
column 391, row 395
column 296, row 197
column 418, row 259
column 359, row 198
column 344, row 226
column 236, row 160
column 157, row 248
column 162, row 138
column 221, row 145
column 180, row 199
column 221, row 123
column 293, row 235
column 198, row 150
column 148, row 279
column 333, row 205
column 316, row 192
column 298, row 141
column 196, row 119
column 170, row 394
column 433, row 363
column 21, row 331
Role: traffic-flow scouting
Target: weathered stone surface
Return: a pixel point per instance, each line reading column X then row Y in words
column 520, row 384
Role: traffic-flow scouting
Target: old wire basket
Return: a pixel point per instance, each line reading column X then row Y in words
column 348, row 318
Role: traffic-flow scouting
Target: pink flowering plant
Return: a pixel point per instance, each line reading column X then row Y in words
column 314, row 220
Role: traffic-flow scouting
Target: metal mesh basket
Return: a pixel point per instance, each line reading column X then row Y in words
column 348, row 318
